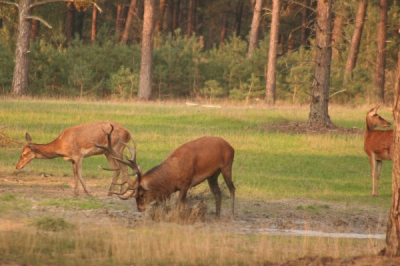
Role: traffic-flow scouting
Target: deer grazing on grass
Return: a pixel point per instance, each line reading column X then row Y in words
column 76, row 143
column 378, row 144
column 187, row 166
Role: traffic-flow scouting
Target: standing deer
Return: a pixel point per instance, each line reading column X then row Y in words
column 187, row 166
column 378, row 144
column 76, row 143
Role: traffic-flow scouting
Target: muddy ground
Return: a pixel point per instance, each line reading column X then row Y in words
column 252, row 216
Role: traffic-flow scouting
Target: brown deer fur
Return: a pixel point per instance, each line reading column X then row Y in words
column 378, row 144
column 76, row 143
column 186, row 167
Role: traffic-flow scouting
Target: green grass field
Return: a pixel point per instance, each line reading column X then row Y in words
column 268, row 166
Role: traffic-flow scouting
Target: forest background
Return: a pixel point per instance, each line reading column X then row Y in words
column 200, row 50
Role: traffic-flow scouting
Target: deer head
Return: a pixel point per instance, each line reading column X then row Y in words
column 29, row 152
column 374, row 120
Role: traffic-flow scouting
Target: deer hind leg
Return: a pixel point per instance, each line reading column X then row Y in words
column 114, row 165
column 213, row 183
column 77, row 166
column 227, row 174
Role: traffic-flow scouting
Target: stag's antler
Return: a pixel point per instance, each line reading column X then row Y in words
column 130, row 162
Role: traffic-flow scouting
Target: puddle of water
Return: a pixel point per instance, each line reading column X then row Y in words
column 318, row 233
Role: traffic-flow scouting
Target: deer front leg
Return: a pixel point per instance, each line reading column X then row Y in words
column 182, row 198
column 372, row 161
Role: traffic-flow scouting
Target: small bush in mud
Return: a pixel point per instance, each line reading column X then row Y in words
column 53, row 224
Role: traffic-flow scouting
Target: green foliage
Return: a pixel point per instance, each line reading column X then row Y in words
column 177, row 63
column 6, row 68
column 211, row 90
column 124, row 84
column 193, row 66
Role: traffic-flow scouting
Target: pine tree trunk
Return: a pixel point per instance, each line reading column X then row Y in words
column 161, row 16
column 392, row 248
column 224, row 29
column 379, row 79
column 128, row 23
column 21, row 69
column 239, row 15
column 34, row 30
column 191, row 18
column 320, row 86
column 272, row 55
column 337, row 35
column 255, row 26
column 355, row 40
column 70, row 22
column 94, row 24
column 175, row 15
column 304, row 25
column 119, row 23
column 146, row 64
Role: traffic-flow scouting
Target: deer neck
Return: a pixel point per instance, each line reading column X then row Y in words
column 159, row 182
column 46, row 151
column 369, row 127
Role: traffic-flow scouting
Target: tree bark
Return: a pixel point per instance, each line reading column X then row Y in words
column 392, row 248
column 270, row 94
column 191, row 21
column 355, row 41
column 94, row 24
column 337, row 35
column 320, row 86
column 239, row 15
column 161, row 16
column 119, row 23
column 255, row 27
column 304, row 25
column 20, row 80
column 128, row 23
column 175, row 15
column 34, row 29
column 379, row 79
column 146, row 64
column 70, row 21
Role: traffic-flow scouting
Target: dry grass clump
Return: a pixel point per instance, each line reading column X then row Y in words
column 164, row 243
column 194, row 211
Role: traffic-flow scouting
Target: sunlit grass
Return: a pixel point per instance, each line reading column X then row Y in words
column 267, row 165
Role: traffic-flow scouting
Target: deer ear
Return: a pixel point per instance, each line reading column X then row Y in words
column 33, row 148
column 144, row 185
column 28, row 137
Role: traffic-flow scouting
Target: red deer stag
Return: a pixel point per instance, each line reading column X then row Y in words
column 378, row 144
column 76, row 143
column 186, row 167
